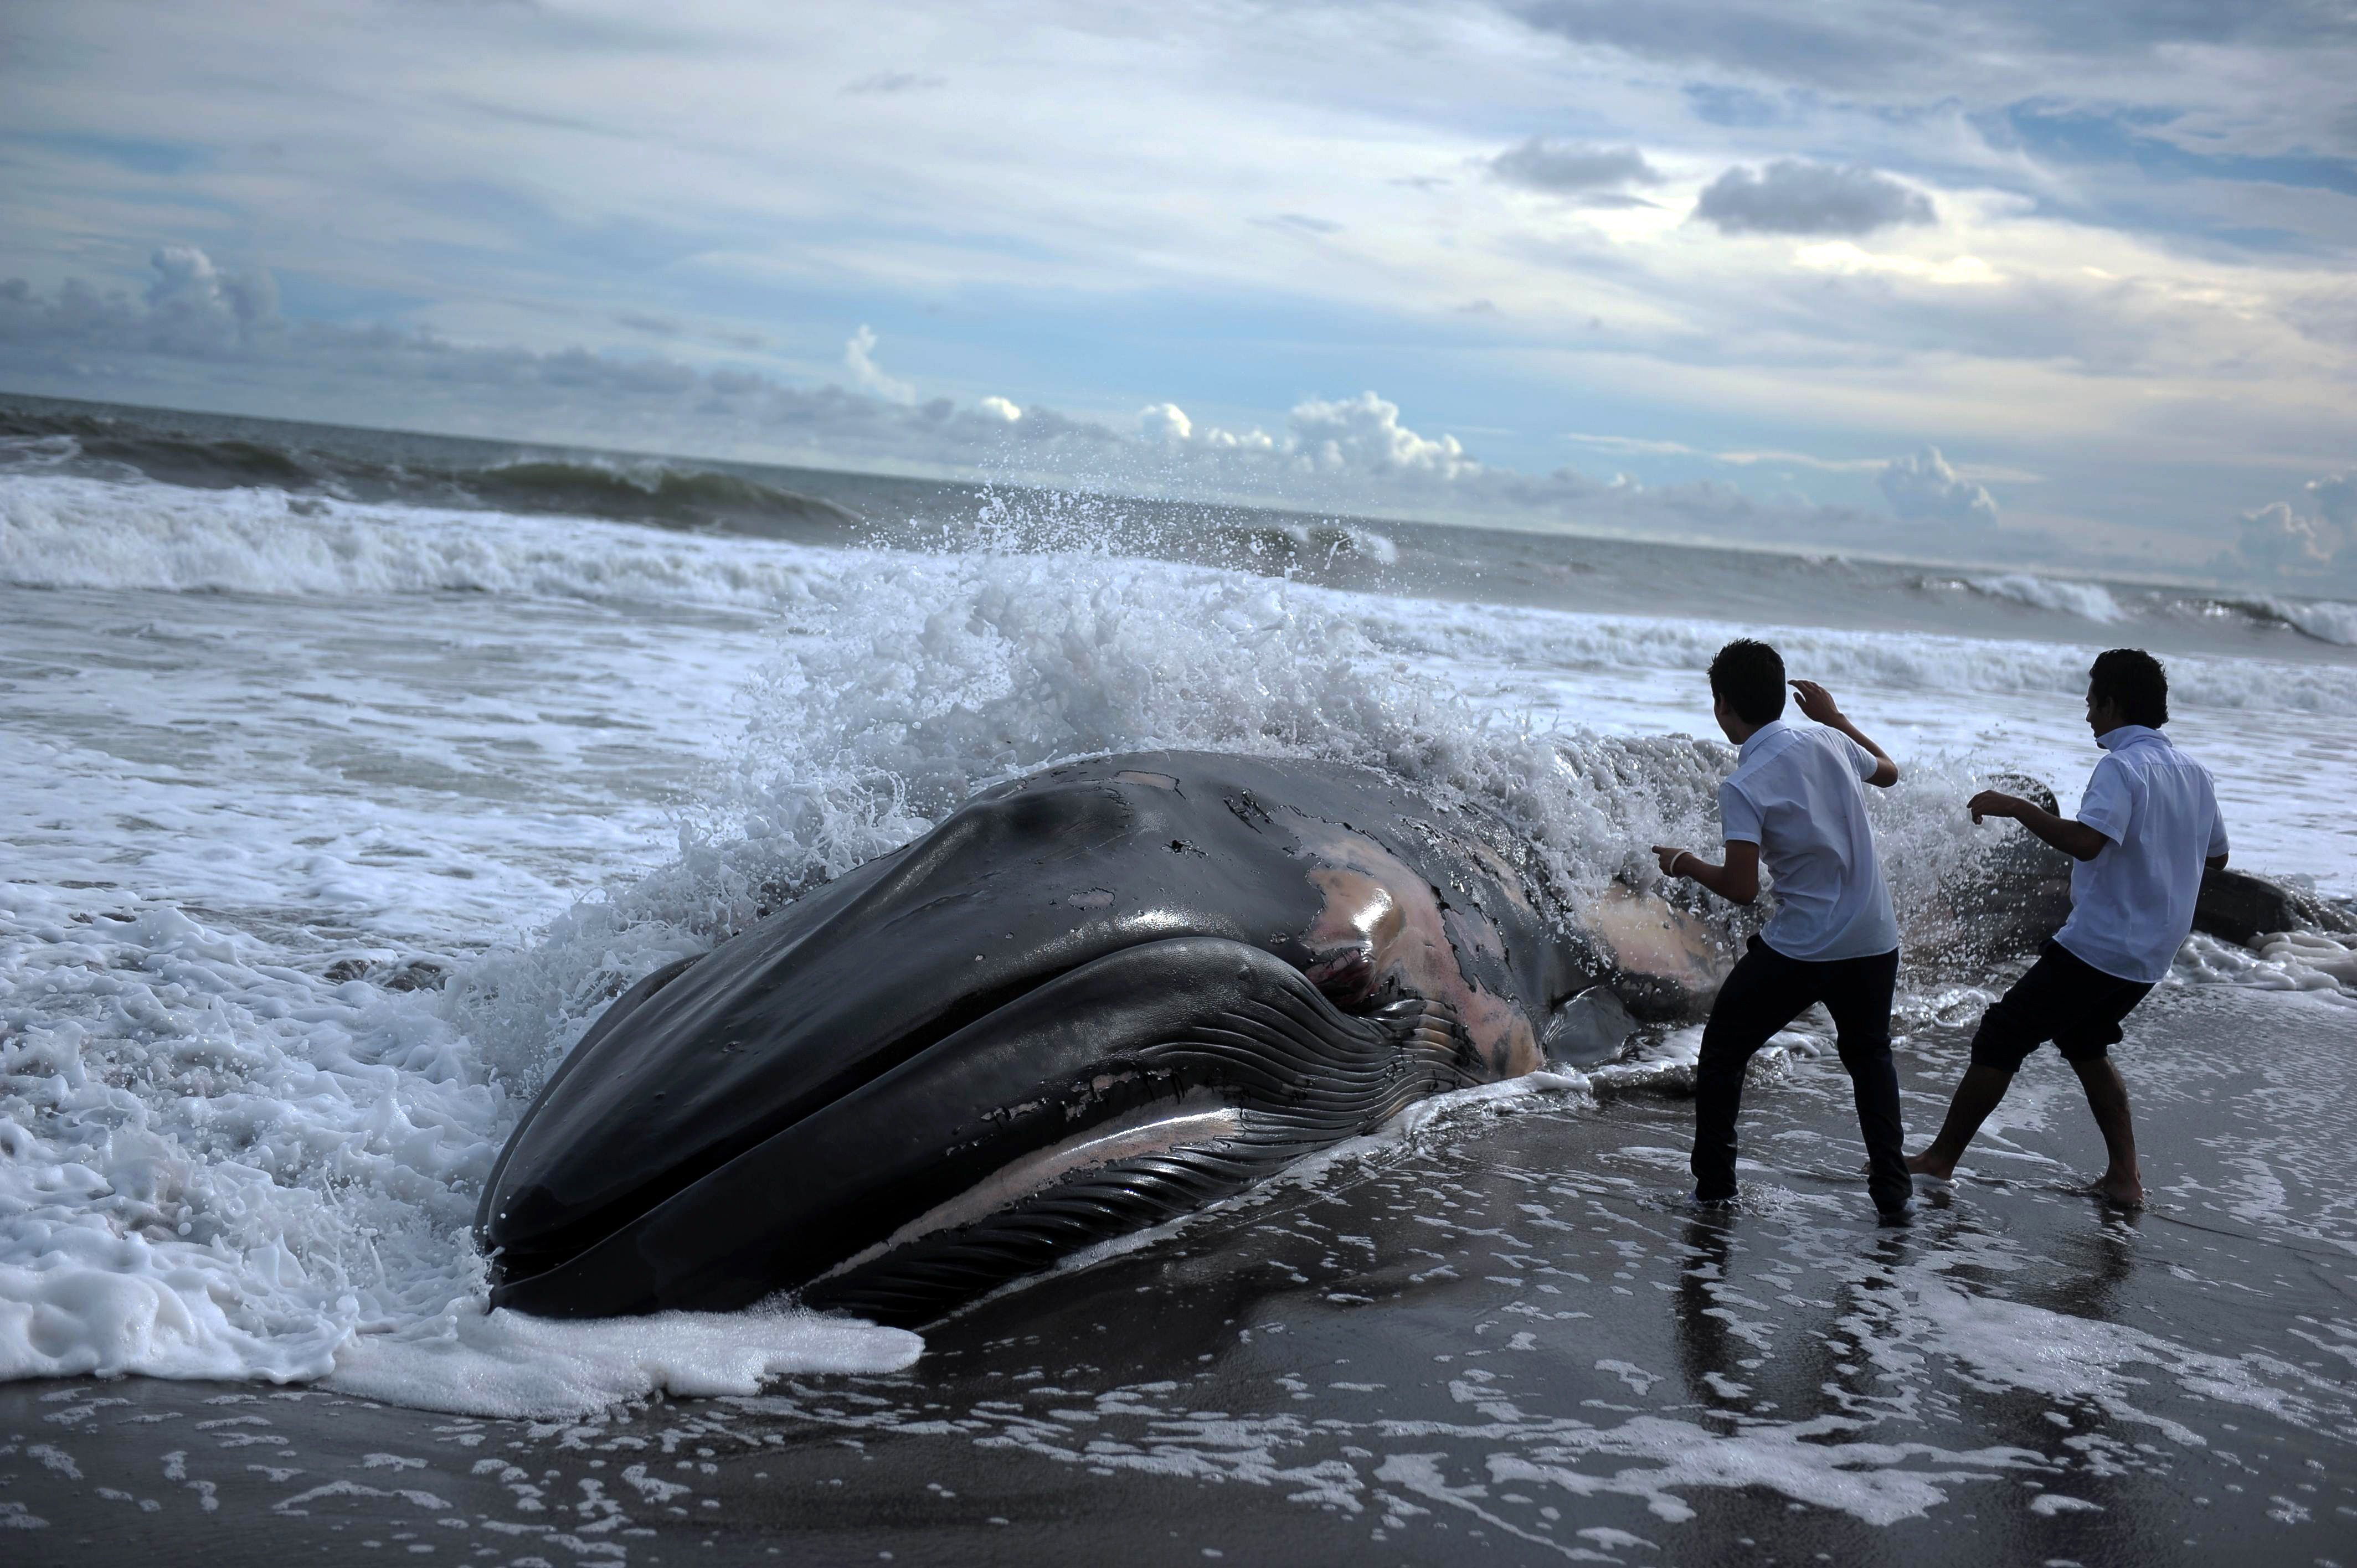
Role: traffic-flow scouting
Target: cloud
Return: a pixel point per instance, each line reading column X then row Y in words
column 726, row 179
column 1841, row 256
column 1924, row 488
column 192, row 307
column 226, row 328
column 1737, row 108
column 1345, row 439
column 1793, row 197
column 2278, row 540
column 1354, row 454
column 2335, row 500
column 1165, row 424
column 1353, row 451
column 2313, row 534
column 1910, row 46
column 1363, row 436
column 888, row 82
column 1569, row 169
column 859, row 359
column 1302, row 221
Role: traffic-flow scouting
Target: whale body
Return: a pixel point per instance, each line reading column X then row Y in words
column 1089, row 1001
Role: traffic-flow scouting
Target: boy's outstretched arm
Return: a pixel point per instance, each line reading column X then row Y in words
column 2076, row 840
column 1738, row 881
column 1816, row 702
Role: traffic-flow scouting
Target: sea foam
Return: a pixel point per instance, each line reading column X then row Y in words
column 2088, row 601
column 88, row 533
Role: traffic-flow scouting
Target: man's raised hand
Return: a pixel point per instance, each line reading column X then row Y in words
column 1815, row 703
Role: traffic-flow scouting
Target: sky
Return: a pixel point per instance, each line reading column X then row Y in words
column 2062, row 283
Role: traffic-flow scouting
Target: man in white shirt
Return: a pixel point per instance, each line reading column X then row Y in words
column 1793, row 801
column 2147, row 826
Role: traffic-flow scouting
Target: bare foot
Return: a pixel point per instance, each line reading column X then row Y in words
column 2127, row 1192
column 1924, row 1165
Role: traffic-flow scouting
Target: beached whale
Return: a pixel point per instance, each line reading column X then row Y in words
column 1088, row 1001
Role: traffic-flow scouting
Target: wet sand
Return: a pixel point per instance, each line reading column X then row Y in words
column 1502, row 1339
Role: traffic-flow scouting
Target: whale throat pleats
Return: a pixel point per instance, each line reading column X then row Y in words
column 1264, row 1081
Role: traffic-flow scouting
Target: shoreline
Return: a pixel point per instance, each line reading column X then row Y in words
column 1419, row 1354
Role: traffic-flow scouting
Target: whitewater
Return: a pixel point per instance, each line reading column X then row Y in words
column 333, row 822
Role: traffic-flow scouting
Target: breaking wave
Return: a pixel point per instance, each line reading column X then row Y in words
column 661, row 492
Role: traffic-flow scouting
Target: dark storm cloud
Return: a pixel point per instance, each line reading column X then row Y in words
column 1792, row 198
column 1564, row 169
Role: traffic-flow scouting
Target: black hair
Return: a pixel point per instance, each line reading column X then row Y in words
column 1750, row 676
column 2132, row 681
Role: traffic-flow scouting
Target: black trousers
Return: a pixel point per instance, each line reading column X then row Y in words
column 2064, row 999
column 1767, row 992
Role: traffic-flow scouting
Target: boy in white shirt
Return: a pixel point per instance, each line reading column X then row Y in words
column 1794, row 801
column 2147, row 826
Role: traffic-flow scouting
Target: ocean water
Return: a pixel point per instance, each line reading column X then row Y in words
column 345, row 777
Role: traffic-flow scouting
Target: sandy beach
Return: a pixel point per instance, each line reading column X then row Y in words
column 1497, row 1339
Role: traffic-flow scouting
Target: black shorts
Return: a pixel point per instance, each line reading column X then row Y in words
column 2064, row 999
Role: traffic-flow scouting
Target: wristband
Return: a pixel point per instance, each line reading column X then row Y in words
column 1677, row 857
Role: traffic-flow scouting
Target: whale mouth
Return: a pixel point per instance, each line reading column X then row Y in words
column 519, row 1249
column 1090, row 1103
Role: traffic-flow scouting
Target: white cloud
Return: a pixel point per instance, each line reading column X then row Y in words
column 859, row 359
column 1841, row 256
column 999, row 408
column 2277, row 539
column 1165, row 424
column 2335, row 500
column 1363, row 436
column 2312, row 535
column 1253, row 440
column 1922, row 487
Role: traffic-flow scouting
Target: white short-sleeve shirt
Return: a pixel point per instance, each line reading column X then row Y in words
column 1795, row 793
column 2132, row 905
